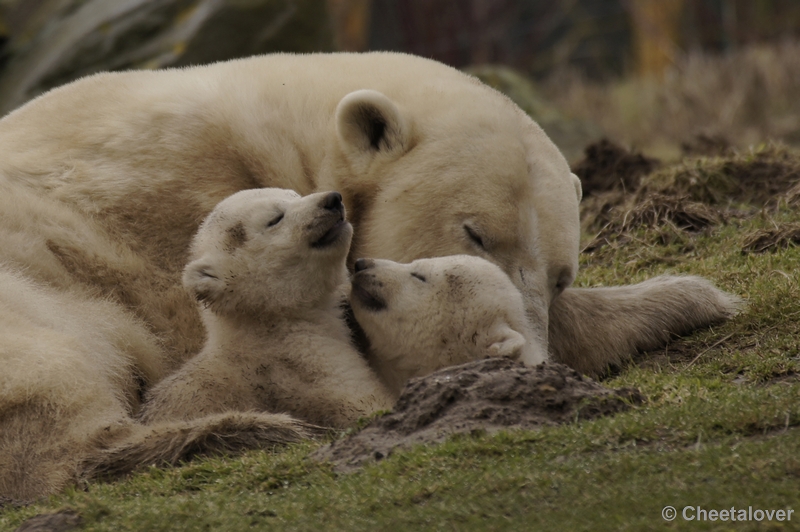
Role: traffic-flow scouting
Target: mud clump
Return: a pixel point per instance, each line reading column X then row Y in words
column 607, row 166
column 490, row 394
column 780, row 237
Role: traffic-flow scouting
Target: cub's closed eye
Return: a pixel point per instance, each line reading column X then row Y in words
column 420, row 277
column 276, row 220
column 475, row 237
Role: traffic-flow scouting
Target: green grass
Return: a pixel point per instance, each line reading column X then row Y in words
column 720, row 429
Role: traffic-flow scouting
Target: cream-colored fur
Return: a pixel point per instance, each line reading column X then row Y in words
column 602, row 327
column 74, row 361
column 433, row 313
column 268, row 268
column 424, row 155
column 119, row 170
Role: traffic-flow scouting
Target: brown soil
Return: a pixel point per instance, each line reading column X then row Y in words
column 489, row 394
column 772, row 239
column 608, row 166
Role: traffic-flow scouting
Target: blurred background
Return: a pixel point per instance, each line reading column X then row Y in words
column 665, row 77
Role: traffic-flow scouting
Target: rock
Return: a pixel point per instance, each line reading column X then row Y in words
column 489, row 394
column 568, row 134
column 53, row 42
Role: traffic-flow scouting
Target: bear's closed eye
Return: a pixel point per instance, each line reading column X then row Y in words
column 475, row 237
column 207, row 273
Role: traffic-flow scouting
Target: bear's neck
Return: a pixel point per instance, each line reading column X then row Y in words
column 392, row 375
column 255, row 334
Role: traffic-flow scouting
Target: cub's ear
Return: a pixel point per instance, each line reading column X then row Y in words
column 368, row 123
column 202, row 281
column 505, row 342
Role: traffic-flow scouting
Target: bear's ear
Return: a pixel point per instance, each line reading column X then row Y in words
column 202, row 281
column 368, row 123
column 576, row 181
column 505, row 342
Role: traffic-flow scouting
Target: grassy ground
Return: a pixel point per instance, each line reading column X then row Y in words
column 720, row 428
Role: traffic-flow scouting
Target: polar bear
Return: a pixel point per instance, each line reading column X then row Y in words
column 429, row 161
column 268, row 269
column 73, row 364
column 433, row 313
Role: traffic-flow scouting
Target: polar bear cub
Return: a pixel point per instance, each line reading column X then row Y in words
column 433, row 313
column 268, row 271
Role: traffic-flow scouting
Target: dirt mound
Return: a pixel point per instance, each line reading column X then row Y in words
column 772, row 239
column 696, row 193
column 758, row 177
column 487, row 394
column 608, row 166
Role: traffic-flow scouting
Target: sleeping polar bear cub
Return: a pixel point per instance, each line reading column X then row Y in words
column 268, row 269
column 433, row 313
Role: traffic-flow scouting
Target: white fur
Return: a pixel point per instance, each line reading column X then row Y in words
column 395, row 134
column 433, row 313
column 271, row 301
column 103, row 183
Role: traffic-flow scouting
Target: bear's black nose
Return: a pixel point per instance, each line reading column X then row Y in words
column 363, row 264
column 332, row 202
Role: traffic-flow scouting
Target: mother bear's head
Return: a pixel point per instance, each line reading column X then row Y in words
column 462, row 171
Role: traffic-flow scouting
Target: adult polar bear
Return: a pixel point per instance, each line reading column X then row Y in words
column 430, row 162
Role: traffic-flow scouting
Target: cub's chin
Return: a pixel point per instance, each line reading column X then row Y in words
column 364, row 297
column 338, row 233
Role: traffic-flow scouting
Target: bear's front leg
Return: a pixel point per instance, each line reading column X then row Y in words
column 592, row 329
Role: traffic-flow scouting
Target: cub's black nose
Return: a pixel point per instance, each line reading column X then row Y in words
column 332, row 202
column 363, row 264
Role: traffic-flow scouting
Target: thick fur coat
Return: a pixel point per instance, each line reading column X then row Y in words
column 268, row 269
column 434, row 313
column 105, row 181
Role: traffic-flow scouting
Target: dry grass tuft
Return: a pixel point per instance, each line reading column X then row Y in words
column 686, row 197
column 680, row 211
column 779, row 237
column 746, row 96
column 658, row 211
column 756, row 176
column 792, row 196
